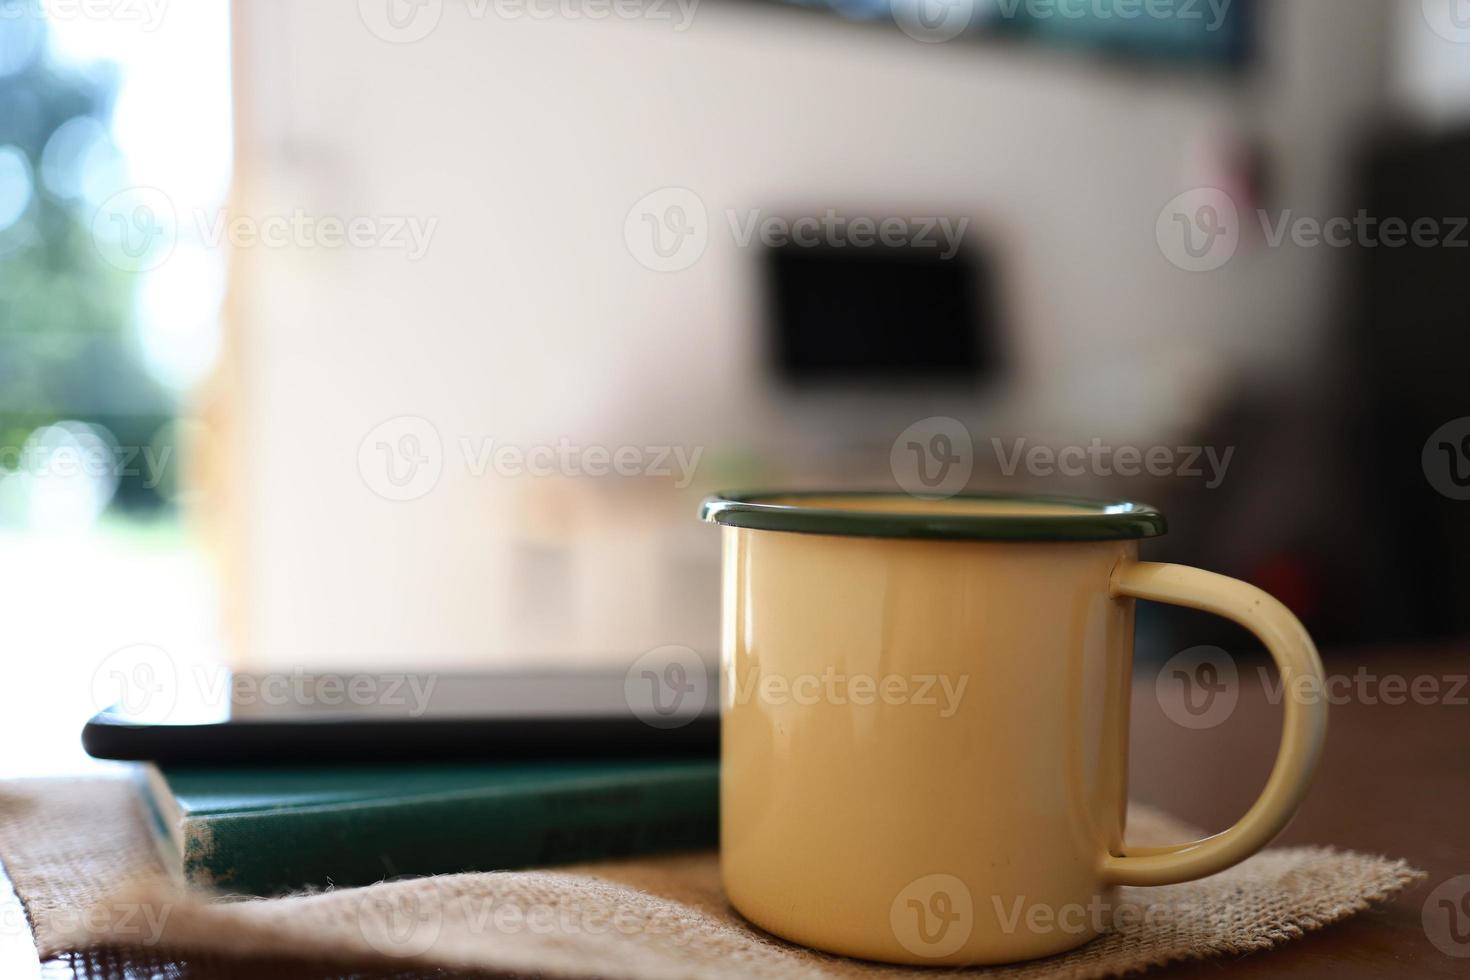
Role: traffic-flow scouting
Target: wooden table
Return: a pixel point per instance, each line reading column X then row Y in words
column 1395, row 780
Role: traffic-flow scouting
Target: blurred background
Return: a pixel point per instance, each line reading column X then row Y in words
column 386, row 333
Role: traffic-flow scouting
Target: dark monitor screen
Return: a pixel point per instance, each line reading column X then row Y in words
column 879, row 314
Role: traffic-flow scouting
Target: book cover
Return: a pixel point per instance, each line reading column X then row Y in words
column 263, row 831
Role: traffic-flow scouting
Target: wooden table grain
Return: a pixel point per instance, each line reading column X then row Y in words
column 1395, row 780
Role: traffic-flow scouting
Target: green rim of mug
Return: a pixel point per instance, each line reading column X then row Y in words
column 1096, row 520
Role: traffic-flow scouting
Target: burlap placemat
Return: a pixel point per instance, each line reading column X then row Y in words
column 83, row 862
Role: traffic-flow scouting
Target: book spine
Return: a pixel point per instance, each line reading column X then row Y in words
column 273, row 852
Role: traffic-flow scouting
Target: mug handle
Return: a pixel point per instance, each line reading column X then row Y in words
column 1303, row 729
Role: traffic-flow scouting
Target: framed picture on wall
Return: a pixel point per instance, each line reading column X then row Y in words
column 1201, row 32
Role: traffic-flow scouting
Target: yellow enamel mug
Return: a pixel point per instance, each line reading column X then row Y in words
column 925, row 720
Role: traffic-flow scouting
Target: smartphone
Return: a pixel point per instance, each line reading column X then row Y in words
column 240, row 719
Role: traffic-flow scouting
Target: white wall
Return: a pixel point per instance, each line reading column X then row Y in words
column 528, row 320
column 1431, row 64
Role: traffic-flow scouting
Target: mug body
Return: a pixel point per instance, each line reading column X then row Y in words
column 924, row 736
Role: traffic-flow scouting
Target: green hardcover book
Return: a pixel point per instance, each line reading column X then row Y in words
column 269, row 830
